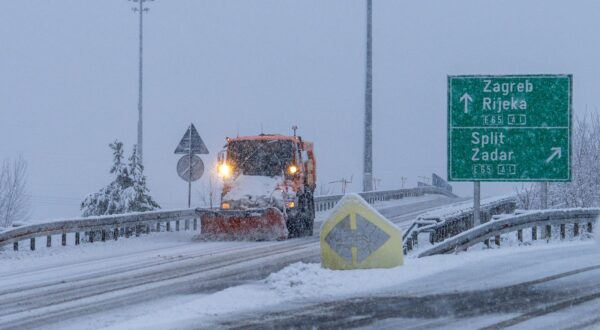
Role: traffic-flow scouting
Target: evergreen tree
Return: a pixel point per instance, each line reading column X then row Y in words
column 126, row 193
column 136, row 194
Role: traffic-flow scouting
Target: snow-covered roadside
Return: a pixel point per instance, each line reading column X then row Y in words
column 302, row 283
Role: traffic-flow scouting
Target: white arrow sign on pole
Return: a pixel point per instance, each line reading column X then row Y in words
column 556, row 153
column 466, row 98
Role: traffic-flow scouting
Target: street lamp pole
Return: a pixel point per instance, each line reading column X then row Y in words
column 141, row 9
column 368, row 151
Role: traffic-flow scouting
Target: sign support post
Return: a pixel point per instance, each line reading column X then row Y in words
column 544, row 194
column 476, row 203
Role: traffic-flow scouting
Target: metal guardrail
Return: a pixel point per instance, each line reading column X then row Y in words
column 114, row 226
column 545, row 219
column 441, row 228
column 323, row 203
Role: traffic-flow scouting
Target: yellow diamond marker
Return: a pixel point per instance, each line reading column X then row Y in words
column 357, row 236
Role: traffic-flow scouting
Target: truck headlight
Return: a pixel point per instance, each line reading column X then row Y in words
column 224, row 170
column 293, row 169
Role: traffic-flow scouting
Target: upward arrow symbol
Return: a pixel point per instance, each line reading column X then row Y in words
column 466, row 98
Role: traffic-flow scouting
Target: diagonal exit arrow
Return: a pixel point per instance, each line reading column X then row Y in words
column 556, row 153
column 466, row 98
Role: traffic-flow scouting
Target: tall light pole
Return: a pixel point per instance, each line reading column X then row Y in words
column 141, row 9
column 368, row 151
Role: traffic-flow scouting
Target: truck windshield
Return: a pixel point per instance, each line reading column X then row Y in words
column 264, row 158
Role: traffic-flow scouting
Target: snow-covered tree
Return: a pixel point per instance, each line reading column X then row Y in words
column 584, row 188
column 126, row 193
column 136, row 195
column 14, row 202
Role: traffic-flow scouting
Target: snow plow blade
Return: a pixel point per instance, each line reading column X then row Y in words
column 251, row 225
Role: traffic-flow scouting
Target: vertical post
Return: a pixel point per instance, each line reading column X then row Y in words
column 32, row 244
column 195, row 224
column 544, row 205
column 77, row 238
column 64, row 239
column 141, row 76
column 476, row 203
column 368, row 152
column 189, row 173
column 49, row 241
column 16, row 246
column 116, row 233
column 544, row 195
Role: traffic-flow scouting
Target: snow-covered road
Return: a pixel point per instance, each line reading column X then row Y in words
column 80, row 286
column 544, row 286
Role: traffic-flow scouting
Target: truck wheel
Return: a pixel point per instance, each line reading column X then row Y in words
column 302, row 224
column 308, row 216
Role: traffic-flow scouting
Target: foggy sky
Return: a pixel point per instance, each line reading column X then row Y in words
column 68, row 81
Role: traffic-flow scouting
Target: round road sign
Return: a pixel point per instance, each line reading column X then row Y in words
column 183, row 168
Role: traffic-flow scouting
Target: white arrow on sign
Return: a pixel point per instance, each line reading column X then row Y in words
column 556, row 153
column 466, row 98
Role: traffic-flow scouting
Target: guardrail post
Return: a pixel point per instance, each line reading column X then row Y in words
column 32, row 244
column 177, row 225
column 590, row 228
column 126, row 230
column 158, row 227
column 64, row 239
column 520, row 235
column 563, row 231
column 195, row 224
column 116, row 233
column 497, row 240
column 77, row 238
column 168, row 225
column 576, row 229
column 534, row 233
column 103, row 237
column 16, row 246
column 548, row 232
column 137, row 230
column 186, row 225
column 49, row 241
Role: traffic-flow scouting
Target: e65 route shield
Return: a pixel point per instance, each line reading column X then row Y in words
column 509, row 128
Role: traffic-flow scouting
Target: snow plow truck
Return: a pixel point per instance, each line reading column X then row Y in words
column 268, row 187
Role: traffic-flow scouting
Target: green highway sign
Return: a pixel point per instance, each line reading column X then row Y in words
column 509, row 128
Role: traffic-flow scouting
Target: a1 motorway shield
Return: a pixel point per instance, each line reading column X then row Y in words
column 509, row 128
